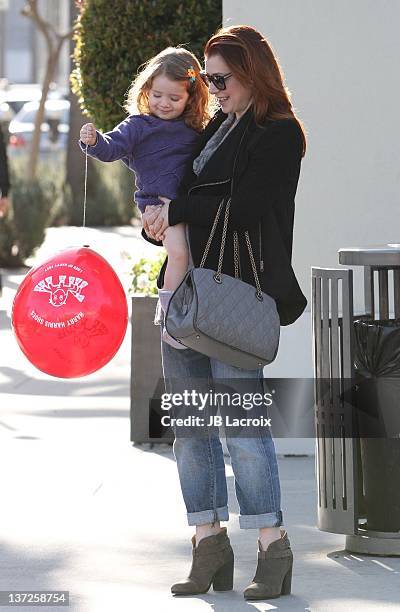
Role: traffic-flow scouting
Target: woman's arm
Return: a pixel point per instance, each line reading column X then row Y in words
column 116, row 144
column 275, row 159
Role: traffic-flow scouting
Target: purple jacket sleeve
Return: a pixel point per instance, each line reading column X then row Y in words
column 118, row 143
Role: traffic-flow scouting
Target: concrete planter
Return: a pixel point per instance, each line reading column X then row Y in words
column 146, row 372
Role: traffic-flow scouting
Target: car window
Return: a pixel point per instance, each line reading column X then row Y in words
column 28, row 116
column 65, row 116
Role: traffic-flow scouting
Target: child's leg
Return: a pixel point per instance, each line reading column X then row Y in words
column 178, row 256
column 178, row 259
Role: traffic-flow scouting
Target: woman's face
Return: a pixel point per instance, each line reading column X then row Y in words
column 236, row 97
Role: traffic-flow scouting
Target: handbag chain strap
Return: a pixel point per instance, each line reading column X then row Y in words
column 211, row 236
column 217, row 275
column 253, row 265
column 236, row 259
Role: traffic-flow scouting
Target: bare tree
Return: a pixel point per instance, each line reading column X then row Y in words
column 54, row 43
column 75, row 163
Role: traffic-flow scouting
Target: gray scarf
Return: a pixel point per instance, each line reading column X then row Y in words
column 214, row 142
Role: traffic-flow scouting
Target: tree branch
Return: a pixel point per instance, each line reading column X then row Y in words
column 54, row 42
column 30, row 10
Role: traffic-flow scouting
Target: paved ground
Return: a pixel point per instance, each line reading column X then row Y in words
column 83, row 510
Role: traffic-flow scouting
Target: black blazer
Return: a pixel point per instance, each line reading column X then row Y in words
column 4, row 176
column 261, row 165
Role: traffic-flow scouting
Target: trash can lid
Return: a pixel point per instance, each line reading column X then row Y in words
column 373, row 255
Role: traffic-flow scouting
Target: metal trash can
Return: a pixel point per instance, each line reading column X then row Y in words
column 377, row 375
column 345, row 461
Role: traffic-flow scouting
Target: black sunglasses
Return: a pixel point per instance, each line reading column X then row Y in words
column 216, row 79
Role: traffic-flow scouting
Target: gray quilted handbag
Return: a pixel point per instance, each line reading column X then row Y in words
column 222, row 316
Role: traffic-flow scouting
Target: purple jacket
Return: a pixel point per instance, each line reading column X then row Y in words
column 156, row 150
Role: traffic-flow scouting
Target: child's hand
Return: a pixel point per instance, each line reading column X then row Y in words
column 88, row 134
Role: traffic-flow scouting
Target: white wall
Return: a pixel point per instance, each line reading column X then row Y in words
column 341, row 63
column 56, row 13
column 23, row 51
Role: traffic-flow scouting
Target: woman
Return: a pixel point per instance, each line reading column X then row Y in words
column 256, row 142
column 4, row 177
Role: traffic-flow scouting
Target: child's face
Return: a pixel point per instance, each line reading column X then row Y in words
column 167, row 98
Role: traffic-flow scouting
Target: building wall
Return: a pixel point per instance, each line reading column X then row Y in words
column 17, row 45
column 57, row 13
column 340, row 61
column 22, row 47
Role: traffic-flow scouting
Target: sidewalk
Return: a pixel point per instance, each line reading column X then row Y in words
column 84, row 510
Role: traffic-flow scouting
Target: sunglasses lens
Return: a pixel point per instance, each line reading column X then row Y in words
column 218, row 81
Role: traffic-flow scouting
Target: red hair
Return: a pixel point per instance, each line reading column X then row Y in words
column 250, row 57
column 174, row 62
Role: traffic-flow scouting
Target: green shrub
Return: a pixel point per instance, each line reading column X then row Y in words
column 109, row 192
column 50, row 176
column 109, row 200
column 144, row 274
column 114, row 38
column 23, row 229
column 47, row 201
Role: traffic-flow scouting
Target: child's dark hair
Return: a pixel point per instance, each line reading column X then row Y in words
column 176, row 63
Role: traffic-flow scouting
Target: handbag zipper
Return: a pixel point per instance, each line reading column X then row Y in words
column 226, row 181
column 261, row 259
column 209, row 184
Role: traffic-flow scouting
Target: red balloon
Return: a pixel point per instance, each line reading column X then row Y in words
column 70, row 313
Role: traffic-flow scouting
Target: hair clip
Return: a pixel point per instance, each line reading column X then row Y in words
column 191, row 74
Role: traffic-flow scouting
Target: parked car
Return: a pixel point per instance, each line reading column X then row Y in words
column 54, row 129
column 6, row 113
column 17, row 94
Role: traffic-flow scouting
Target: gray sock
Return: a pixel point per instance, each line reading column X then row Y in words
column 165, row 296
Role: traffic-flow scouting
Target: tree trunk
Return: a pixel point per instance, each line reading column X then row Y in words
column 75, row 174
column 34, row 154
column 54, row 43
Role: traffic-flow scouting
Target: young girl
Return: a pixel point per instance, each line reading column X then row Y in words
column 168, row 105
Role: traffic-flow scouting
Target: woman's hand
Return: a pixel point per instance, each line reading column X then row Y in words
column 160, row 224
column 4, row 205
column 148, row 217
column 88, row 134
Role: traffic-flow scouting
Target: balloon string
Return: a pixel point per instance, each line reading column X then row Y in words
column 86, row 172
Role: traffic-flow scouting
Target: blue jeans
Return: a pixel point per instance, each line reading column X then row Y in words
column 200, row 460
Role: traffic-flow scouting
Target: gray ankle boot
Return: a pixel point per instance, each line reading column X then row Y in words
column 212, row 563
column 274, row 570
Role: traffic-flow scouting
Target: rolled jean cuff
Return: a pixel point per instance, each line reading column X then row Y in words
column 208, row 516
column 258, row 521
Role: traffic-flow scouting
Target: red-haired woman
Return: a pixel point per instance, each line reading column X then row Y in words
column 256, row 143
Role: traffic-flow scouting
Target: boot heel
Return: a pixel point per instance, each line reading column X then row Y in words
column 223, row 579
column 287, row 583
